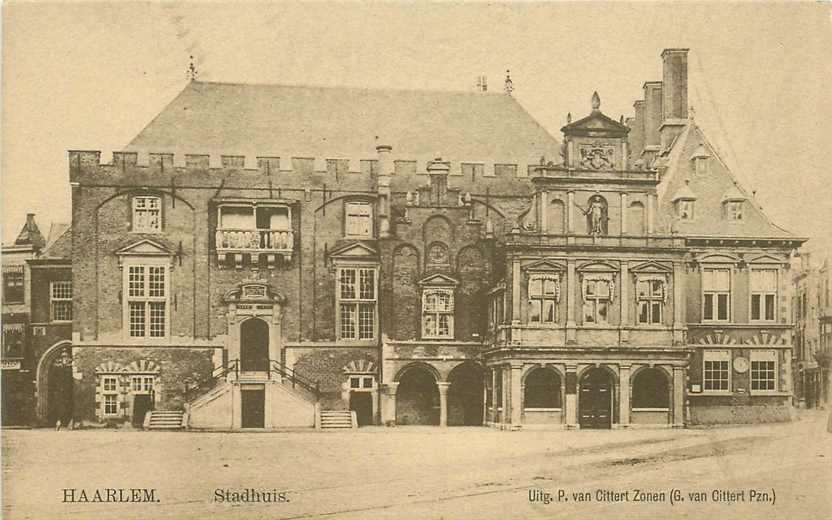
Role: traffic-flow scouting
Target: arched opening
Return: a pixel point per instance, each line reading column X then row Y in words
column 542, row 390
column 465, row 395
column 55, row 386
column 635, row 219
column 417, row 398
column 254, row 345
column 556, row 218
column 651, row 389
column 596, row 398
column 596, row 216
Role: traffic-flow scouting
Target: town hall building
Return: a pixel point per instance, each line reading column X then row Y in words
column 266, row 256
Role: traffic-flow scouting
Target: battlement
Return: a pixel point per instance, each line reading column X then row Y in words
column 178, row 161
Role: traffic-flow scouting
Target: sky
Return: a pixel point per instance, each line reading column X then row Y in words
column 91, row 76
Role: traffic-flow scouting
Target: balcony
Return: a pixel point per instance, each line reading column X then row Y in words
column 254, row 232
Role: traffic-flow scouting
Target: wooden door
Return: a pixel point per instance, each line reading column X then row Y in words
column 253, row 408
column 596, row 400
column 254, row 346
column 362, row 404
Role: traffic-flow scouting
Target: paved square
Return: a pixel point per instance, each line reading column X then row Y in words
column 424, row 472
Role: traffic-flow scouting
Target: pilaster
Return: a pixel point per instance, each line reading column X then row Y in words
column 388, row 402
column 571, row 326
column 678, row 397
column 624, row 395
column 571, row 397
column 516, row 395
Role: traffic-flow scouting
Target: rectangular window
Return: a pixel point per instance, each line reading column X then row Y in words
column 764, row 371
column 136, row 383
column 716, row 286
column 763, row 294
column 109, row 383
column 357, row 302
column 60, row 300
column 650, row 301
column 146, row 295
column 715, row 371
column 147, row 214
column 686, row 209
column 543, row 291
column 596, row 301
column 148, row 383
column 438, row 313
column 13, row 278
column 359, row 219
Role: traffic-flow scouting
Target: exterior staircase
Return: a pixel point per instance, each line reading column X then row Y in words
column 338, row 420
column 164, row 420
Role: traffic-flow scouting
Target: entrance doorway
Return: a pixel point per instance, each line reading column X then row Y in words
column 254, row 346
column 253, row 408
column 465, row 396
column 141, row 405
column 59, row 402
column 362, row 404
column 595, row 405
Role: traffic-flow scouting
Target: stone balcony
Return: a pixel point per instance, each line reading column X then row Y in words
column 234, row 243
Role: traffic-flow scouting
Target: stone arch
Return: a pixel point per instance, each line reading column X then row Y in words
column 415, row 365
column 465, row 395
column 417, row 396
column 42, row 377
column 438, row 228
column 542, row 388
column 651, row 387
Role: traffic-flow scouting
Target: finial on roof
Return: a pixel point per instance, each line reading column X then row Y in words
column 509, row 83
column 621, row 119
column 192, row 73
column 568, row 117
column 596, row 101
column 691, row 112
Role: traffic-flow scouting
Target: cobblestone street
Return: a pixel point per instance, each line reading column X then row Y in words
column 427, row 472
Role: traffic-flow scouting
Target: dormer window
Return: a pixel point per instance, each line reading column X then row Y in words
column 683, row 200
column 147, row 214
column 733, row 210
column 733, row 204
column 358, row 220
column 701, row 160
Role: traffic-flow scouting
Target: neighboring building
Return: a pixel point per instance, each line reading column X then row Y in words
column 305, row 263
column 16, row 361
column 812, row 332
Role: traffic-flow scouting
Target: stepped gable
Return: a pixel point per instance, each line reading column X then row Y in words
column 710, row 187
column 226, row 118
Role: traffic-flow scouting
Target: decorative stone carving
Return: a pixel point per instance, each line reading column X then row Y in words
column 596, row 157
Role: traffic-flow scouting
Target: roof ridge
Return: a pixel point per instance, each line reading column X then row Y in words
column 349, row 87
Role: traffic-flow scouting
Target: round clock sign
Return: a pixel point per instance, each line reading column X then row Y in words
column 740, row 365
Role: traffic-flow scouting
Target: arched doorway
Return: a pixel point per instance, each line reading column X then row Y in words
column 417, row 398
column 54, row 383
column 596, row 399
column 465, row 395
column 254, row 345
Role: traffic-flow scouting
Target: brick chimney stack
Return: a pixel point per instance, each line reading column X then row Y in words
column 385, row 171
column 674, row 94
column 652, row 115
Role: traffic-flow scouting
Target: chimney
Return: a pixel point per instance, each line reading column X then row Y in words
column 385, row 170
column 674, row 94
column 482, row 83
column 652, row 115
column 438, row 171
column 636, row 136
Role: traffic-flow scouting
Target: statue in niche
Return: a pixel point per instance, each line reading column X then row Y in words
column 596, row 215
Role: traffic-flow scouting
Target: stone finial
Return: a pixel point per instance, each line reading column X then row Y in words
column 568, row 117
column 621, row 119
column 509, row 84
column 596, row 101
column 191, row 72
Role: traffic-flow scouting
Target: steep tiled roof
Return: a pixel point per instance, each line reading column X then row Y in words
column 59, row 246
column 30, row 234
column 710, row 188
column 335, row 122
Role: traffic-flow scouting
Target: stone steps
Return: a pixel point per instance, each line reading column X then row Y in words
column 337, row 419
column 163, row 420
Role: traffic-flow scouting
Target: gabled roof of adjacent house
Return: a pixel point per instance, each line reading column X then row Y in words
column 30, row 234
column 711, row 189
column 336, row 122
column 59, row 242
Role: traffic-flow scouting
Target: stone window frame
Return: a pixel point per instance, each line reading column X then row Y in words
column 146, row 262
column 357, row 301
column 141, row 225
column 111, row 393
column 543, row 296
column 351, row 213
column 143, row 386
column 586, row 297
column 362, row 381
column 446, row 291
column 766, row 363
column 651, row 299
column 58, row 298
column 721, row 357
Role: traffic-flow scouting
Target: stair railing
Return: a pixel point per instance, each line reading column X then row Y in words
column 230, row 366
column 296, row 379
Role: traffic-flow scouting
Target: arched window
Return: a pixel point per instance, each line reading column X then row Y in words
column 635, row 218
column 651, row 389
column 542, row 389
